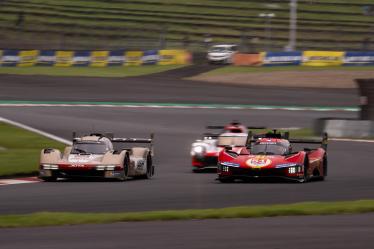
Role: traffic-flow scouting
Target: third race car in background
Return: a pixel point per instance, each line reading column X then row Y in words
column 222, row 54
column 205, row 151
column 272, row 155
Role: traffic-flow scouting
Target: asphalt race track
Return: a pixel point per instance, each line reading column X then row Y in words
column 309, row 232
column 174, row 185
column 162, row 88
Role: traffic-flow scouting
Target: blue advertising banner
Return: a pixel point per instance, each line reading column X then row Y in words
column 282, row 58
column 359, row 58
column 116, row 58
column 10, row 58
column 46, row 58
column 82, row 58
column 150, row 57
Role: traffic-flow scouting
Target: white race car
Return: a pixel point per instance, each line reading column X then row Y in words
column 98, row 155
column 222, row 54
column 205, row 151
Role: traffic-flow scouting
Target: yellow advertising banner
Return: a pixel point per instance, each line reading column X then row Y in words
column 133, row 58
column 99, row 58
column 323, row 58
column 28, row 58
column 64, row 58
column 173, row 57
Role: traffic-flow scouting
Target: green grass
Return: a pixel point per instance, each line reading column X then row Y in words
column 115, row 71
column 306, row 208
column 246, row 69
column 20, row 150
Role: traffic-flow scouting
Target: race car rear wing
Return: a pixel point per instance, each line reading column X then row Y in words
column 135, row 141
column 220, row 127
column 323, row 141
column 253, row 138
column 211, row 135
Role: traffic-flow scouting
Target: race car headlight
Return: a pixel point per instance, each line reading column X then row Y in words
column 49, row 166
column 294, row 170
column 197, row 150
column 105, row 167
column 225, row 168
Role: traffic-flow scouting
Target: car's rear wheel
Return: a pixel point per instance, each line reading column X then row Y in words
column 49, row 179
column 324, row 168
column 150, row 169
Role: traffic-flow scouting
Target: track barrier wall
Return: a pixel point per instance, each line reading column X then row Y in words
column 305, row 58
column 247, row 59
column 26, row 58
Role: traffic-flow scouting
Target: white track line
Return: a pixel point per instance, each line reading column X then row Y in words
column 4, row 182
column 40, row 132
column 181, row 106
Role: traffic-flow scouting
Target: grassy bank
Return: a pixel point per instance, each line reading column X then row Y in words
column 20, row 150
column 307, row 208
column 117, row 71
column 322, row 24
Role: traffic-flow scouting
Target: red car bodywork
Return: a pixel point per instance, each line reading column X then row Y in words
column 239, row 163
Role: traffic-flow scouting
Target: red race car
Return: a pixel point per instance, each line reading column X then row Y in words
column 271, row 155
column 204, row 152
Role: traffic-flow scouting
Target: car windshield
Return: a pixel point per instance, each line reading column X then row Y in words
column 89, row 148
column 232, row 141
column 219, row 49
column 268, row 149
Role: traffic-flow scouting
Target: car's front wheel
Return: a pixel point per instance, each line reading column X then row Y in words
column 126, row 165
column 225, row 180
column 306, row 176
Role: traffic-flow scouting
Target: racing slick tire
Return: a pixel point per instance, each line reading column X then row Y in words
column 306, row 177
column 126, row 165
column 196, row 170
column 226, row 180
column 49, row 179
column 150, row 168
column 325, row 169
